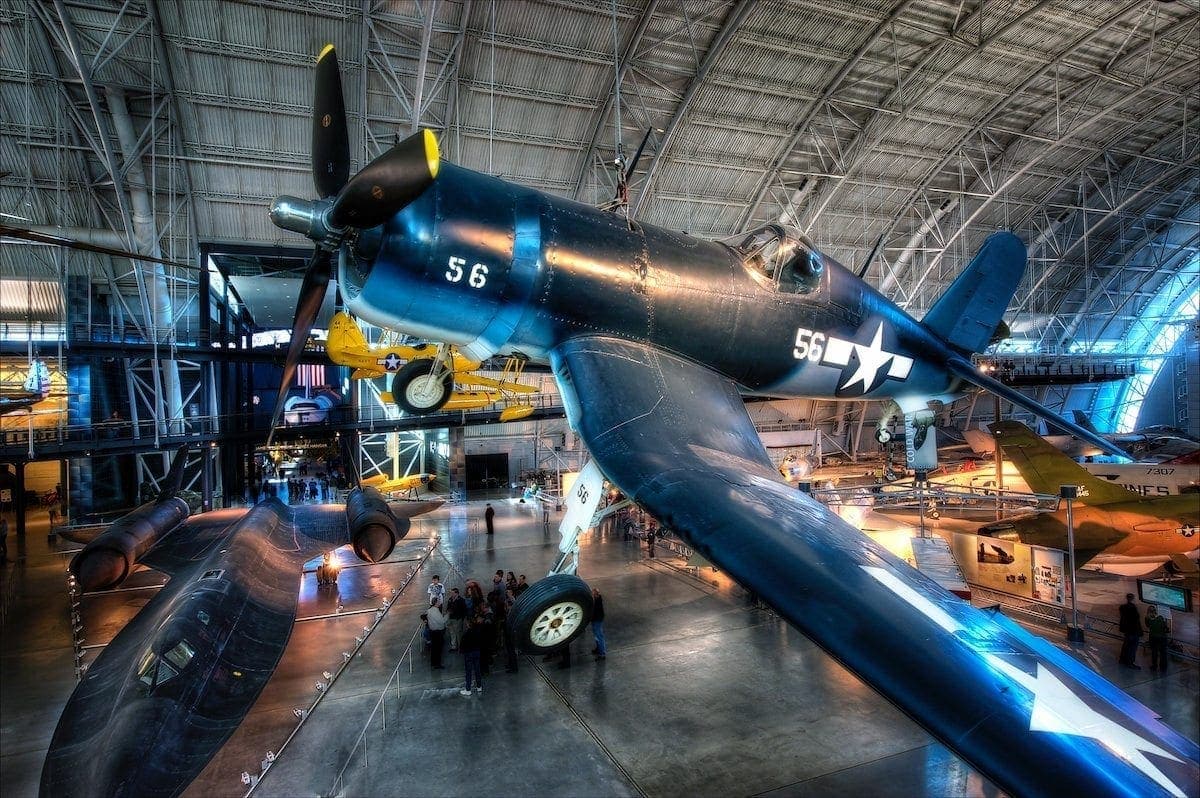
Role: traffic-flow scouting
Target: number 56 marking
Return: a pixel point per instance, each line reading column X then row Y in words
column 809, row 344
column 477, row 277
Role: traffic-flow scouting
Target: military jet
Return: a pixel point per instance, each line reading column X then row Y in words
column 1116, row 529
column 163, row 697
column 654, row 337
column 34, row 390
column 410, row 484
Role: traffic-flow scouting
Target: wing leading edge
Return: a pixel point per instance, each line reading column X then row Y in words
column 676, row 437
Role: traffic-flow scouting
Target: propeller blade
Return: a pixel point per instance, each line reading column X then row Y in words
column 330, row 142
column 388, row 183
column 71, row 243
column 312, row 294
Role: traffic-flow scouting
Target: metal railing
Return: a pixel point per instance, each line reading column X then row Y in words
column 252, row 781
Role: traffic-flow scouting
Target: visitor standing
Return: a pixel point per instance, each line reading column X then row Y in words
column 437, row 634
column 489, row 517
column 601, row 651
column 472, row 640
column 456, row 608
column 1159, row 631
column 1131, row 628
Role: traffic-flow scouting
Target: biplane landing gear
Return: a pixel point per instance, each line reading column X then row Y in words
column 422, row 386
column 551, row 613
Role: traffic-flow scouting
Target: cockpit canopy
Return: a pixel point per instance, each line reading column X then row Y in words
column 781, row 258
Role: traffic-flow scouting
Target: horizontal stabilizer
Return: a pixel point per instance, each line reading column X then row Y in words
column 1045, row 468
column 964, row 370
column 967, row 314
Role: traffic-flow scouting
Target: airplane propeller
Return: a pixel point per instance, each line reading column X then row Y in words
column 348, row 205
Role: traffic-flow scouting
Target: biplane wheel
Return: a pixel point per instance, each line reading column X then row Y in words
column 883, row 435
column 418, row 389
column 550, row 614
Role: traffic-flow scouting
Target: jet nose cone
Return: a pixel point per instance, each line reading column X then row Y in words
column 374, row 542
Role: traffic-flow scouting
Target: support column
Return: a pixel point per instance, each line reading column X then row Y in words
column 458, row 461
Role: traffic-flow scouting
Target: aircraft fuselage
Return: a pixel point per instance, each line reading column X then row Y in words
column 176, row 682
column 496, row 267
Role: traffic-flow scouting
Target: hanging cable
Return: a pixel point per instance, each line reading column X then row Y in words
column 622, row 198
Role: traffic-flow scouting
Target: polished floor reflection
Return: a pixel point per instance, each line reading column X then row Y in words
column 701, row 694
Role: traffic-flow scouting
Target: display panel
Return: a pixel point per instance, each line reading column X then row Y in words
column 1173, row 596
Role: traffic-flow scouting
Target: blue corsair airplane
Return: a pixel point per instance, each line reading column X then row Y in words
column 654, row 337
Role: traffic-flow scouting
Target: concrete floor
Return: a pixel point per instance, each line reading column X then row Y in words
column 700, row 695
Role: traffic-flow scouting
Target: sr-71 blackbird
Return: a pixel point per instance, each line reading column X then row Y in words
column 167, row 692
column 653, row 337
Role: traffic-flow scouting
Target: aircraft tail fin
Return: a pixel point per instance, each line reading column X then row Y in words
column 173, row 482
column 344, row 336
column 348, row 449
column 1045, row 468
column 1085, row 421
column 972, row 308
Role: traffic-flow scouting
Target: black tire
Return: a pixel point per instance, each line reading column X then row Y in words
column 550, row 614
column 883, row 435
column 421, row 399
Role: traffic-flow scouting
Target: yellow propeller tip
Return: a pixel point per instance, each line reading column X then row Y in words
column 432, row 157
column 326, row 50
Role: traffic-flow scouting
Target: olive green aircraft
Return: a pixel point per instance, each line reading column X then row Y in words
column 1116, row 529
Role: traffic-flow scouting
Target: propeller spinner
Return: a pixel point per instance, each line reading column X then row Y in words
column 368, row 199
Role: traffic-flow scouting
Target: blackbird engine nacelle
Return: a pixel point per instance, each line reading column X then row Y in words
column 374, row 530
column 107, row 561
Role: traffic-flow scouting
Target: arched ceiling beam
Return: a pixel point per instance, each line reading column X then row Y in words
column 732, row 23
column 1183, row 70
column 936, row 169
column 69, row 41
column 801, row 127
column 1182, row 250
column 167, row 76
column 868, row 136
column 1142, row 284
column 631, row 47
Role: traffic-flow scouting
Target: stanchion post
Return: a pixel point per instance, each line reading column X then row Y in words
column 1069, row 493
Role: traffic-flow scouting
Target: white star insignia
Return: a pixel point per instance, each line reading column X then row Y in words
column 391, row 362
column 870, row 359
column 1055, row 708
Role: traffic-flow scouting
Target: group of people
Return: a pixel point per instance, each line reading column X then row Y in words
column 473, row 623
column 1131, row 630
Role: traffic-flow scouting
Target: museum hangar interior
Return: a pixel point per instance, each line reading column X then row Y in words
column 778, row 323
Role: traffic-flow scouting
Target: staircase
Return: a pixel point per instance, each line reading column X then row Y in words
column 935, row 560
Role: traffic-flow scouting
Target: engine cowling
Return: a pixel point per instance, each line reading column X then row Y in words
column 374, row 529
column 107, row 561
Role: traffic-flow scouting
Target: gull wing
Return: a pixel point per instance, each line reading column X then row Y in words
column 676, row 437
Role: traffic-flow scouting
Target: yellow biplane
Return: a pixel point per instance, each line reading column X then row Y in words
column 409, row 484
column 428, row 377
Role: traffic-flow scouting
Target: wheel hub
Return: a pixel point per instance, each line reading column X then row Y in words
column 556, row 624
column 424, row 390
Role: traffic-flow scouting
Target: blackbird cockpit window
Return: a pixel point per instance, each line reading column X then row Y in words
column 155, row 671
